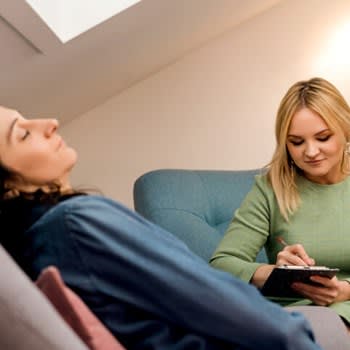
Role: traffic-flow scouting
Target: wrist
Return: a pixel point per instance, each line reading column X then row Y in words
column 261, row 274
column 347, row 288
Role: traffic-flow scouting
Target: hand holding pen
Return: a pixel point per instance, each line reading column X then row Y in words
column 327, row 290
column 293, row 254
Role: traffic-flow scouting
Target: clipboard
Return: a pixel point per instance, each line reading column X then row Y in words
column 278, row 284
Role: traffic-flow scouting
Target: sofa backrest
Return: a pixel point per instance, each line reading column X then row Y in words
column 195, row 205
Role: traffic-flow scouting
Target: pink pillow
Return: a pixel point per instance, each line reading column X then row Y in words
column 75, row 312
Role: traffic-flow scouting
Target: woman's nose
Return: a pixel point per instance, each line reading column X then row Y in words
column 311, row 150
column 51, row 126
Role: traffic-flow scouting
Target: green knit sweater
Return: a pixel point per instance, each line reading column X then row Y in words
column 321, row 224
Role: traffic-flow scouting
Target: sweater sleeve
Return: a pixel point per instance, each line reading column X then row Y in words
column 247, row 233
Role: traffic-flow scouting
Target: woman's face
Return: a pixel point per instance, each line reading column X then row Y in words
column 314, row 148
column 33, row 150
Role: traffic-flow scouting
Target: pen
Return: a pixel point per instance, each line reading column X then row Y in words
column 280, row 240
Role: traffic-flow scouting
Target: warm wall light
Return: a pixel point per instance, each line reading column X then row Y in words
column 334, row 56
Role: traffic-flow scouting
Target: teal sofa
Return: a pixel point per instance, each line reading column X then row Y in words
column 195, row 205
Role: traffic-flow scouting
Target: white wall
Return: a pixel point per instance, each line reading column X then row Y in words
column 215, row 108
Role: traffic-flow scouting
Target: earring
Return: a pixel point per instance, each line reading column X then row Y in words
column 347, row 149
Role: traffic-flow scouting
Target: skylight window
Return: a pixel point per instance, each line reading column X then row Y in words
column 70, row 18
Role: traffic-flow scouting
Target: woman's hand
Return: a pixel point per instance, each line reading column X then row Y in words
column 294, row 255
column 291, row 255
column 328, row 291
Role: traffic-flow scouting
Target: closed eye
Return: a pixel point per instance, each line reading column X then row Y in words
column 296, row 143
column 324, row 138
column 319, row 138
column 26, row 134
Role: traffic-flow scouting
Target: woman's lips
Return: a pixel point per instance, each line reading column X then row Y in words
column 314, row 162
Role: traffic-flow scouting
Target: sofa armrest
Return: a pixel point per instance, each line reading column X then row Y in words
column 28, row 321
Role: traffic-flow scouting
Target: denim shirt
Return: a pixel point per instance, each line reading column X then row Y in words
column 149, row 289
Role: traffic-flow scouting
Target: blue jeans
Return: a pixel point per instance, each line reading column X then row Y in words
column 149, row 289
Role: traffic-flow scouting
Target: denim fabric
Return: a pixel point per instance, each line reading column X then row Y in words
column 149, row 289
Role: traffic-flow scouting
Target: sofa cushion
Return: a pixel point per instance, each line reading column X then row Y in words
column 75, row 312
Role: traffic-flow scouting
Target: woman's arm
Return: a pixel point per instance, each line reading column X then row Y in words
column 246, row 235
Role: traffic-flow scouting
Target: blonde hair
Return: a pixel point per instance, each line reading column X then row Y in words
column 323, row 98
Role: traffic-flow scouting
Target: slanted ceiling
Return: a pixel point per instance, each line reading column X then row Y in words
column 42, row 77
